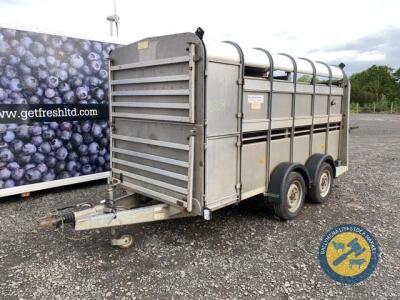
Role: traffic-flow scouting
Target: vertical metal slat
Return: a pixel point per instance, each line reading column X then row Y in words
column 110, row 118
column 190, row 174
column 314, row 82
column 192, row 91
column 268, row 148
column 328, row 106
column 293, row 102
column 240, row 119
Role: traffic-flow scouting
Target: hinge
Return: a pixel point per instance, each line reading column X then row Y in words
column 238, row 186
column 196, row 58
column 120, row 175
column 240, row 81
column 113, row 129
column 192, row 133
column 239, row 115
column 180, row 203
column 239, row 143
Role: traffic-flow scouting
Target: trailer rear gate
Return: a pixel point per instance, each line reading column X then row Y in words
column 153, row 115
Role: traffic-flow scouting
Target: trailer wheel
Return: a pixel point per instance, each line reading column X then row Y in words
column 292, row 199
column 321, row 188
column 125, row 241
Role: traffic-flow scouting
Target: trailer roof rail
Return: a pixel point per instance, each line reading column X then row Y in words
column 256, row 59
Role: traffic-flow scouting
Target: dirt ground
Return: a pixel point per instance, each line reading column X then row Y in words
column 244, row 252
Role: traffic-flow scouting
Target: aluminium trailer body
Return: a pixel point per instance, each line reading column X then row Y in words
column 200, row 125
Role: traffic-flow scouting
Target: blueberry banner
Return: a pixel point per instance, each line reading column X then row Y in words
column 53, row 107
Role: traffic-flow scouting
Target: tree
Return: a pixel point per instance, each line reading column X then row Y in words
column 397, row 76
column 376, row 84
column 305, row 79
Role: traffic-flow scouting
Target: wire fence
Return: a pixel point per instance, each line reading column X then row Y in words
column 375, row 107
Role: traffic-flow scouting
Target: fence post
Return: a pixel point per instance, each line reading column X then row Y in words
column 357, row 107
column 391, row 107
column 374, row 107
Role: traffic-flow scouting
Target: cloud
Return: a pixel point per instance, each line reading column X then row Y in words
column 13, row 2
column 370, row 56
column 379, row 48
column 358, row 35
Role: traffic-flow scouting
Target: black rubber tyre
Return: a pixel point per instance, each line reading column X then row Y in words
column 292, row 199
column 322, row 187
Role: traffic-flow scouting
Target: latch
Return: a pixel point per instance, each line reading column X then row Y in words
column 112, row 127
column 191, row 133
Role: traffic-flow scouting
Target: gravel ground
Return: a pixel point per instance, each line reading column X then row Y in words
column 244, row 252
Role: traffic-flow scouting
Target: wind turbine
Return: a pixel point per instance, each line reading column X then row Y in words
column 114, row 18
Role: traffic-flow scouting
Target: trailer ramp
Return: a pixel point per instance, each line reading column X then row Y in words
column 153, row 114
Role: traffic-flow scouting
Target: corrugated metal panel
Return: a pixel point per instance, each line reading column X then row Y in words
column 152, row 114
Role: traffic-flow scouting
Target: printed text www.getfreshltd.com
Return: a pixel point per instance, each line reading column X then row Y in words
column 47, row 113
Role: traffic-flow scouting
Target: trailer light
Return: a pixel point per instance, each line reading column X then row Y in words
column 207, row 214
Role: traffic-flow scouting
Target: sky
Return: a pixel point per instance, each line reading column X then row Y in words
column 358, row 33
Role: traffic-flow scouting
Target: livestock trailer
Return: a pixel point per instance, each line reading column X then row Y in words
column 198, row 125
